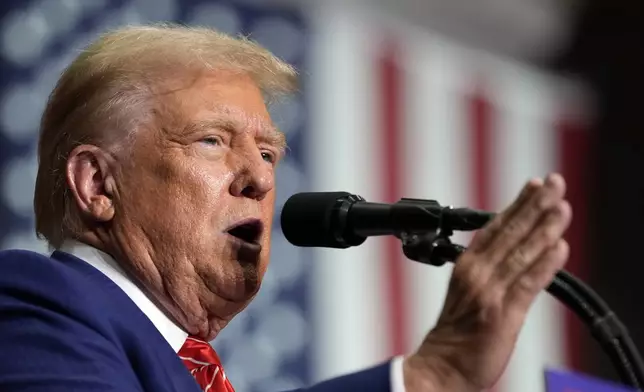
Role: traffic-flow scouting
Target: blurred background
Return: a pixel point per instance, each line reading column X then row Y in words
column 459, row 101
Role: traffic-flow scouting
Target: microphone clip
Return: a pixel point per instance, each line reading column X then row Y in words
column 433, row 248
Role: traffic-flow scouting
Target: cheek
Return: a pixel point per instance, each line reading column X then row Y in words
column 140, row 194
column 207, row 191
column 196, row 183
column 174, row 193
column 268, row 208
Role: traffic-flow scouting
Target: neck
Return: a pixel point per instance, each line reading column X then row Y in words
column 139, row 265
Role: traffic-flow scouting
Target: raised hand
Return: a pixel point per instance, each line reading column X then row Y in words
column 491, row 290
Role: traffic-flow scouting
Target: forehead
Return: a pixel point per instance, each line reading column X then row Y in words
column 229, row 101
column 223, row 92
column 235, row 117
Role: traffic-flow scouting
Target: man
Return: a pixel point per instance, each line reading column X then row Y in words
column 156, row 188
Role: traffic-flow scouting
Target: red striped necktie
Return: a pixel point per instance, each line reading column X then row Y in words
column 203, row 363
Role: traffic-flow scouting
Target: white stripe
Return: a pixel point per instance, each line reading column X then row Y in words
column 195, row 361
column 197, row 340
column 437, row 160
column 214, row 375
column 526, row 146
column 349, row 322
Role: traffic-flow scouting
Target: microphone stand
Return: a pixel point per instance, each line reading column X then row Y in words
column 435, row 248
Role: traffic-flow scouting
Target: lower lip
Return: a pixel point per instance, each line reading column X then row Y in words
column 244, row 245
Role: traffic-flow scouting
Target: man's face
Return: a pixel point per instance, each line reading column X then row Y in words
column 196, row 199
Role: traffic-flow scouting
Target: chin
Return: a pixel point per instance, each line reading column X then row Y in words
column 252, row 280
column 238, row 285
column 220, row 313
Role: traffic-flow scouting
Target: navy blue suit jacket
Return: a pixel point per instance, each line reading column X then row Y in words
column 64, row 326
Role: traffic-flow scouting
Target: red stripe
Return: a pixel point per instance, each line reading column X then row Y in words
column 480, row 113
column 481, row 127
column 574, row 147
column 391, row 120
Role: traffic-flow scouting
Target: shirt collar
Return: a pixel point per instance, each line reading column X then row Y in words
column 173, row 334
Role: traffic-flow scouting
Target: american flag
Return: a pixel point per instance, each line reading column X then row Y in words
column 401, row 113
column 385, row 112
column 268, row 346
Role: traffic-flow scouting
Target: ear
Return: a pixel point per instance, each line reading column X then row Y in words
column 91, row 181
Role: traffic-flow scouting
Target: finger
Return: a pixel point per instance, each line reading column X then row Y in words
column 523, row 291
column 545, row 234
column 525, row 219
column 484, row 236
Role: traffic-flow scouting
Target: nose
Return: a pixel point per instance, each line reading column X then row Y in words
column 255, row 179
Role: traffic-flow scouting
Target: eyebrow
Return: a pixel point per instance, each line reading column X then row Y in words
column 268, row 133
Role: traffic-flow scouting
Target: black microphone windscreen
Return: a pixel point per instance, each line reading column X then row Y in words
column 307, row 219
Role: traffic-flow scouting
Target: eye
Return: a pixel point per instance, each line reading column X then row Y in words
column 212, row 140
column 268, row 156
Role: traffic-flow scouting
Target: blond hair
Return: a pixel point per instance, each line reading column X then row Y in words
column 108, row 88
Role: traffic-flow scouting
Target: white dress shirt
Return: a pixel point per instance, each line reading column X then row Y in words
column 172, row 333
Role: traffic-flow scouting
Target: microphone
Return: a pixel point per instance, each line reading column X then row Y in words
column 341, row 219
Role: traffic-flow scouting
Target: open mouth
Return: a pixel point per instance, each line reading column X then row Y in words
column 248, row 231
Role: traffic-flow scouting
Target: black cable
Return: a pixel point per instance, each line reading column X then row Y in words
column 604, row 325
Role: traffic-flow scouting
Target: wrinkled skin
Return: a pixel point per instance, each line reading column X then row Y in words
column 207, row 161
